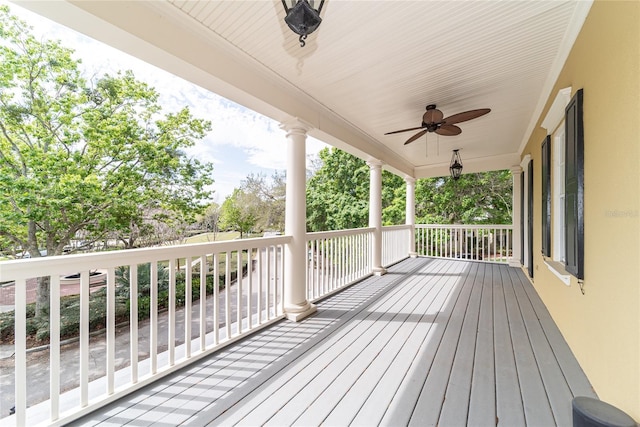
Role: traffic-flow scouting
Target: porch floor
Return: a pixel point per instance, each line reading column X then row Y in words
column 433, row 342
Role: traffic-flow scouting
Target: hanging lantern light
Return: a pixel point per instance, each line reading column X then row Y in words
column 456, row 165
column 302, row 18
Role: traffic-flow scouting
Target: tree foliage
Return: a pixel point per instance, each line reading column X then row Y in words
column 479, row 198
column 338, row 196
column 240, row 212
column 338, row 193
column 86, row 156
column 270, row 196
column 257, row 205
column 210, row 219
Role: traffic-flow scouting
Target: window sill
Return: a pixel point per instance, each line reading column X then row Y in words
column 557, row 268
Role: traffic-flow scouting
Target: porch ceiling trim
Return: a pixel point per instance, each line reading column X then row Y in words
column 580, row 13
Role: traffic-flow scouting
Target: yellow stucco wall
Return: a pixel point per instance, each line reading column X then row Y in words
column 602, row 326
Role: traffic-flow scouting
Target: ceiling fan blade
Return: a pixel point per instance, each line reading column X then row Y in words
column 432, row 116
column 404, row 130
column 448, row 130
column 416, row 136
column 467, row 115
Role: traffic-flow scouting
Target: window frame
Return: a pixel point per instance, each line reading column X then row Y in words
column 554, row 123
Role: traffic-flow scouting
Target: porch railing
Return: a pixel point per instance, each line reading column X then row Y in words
column 240, row 290
column 178, row 330
column 488, row 243
column 395, row 243
column 337, row 259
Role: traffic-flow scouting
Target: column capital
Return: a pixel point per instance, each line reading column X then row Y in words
column 516, row 169
column 409, row 180
column 374, row 164
column 296, row 126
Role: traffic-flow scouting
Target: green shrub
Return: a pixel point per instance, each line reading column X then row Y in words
column 70, row 305
column 42, row 334
column 6, row 327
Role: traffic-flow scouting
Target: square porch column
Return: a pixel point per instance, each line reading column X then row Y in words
column 375, row 214
column 296, row 306
column 410, row 214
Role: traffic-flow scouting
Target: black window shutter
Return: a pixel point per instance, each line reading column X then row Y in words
column 574, row 187
column 546, row 196
column 530, row 218
column 522, row 218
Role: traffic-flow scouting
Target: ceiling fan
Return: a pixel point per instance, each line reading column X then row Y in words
column 433, row 121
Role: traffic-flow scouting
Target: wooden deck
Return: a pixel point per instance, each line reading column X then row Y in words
column 433, row 342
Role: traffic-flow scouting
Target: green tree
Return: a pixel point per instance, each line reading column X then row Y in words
column 480, row 198
column 338, row 193
column 90, row 156
column 270, row 194
column 338, row 196
column 240, row 212
column 210, row 219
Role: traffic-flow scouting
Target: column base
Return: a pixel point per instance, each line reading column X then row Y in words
column 379, row 271
column 513, row 262
column 296, row 314
column 413, row 254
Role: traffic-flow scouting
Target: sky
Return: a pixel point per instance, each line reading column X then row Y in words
column 241, row 141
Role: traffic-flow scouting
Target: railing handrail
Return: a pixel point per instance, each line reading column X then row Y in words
column 396, row 227
column 468, row 226
column 64, row 264
column 338, row 233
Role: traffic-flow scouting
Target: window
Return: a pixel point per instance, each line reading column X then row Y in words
column 558, row 195
column 563, row 187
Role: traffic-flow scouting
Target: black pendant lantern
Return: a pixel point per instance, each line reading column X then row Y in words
column 302, row 18
column 456, row 165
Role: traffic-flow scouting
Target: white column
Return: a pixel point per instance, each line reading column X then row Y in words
column 410, row 215
column 296, row 306
column 375, row 214
column 516, row 172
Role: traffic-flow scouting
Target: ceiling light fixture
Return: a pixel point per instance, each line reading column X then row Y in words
column 456, row 165
column 302, row 18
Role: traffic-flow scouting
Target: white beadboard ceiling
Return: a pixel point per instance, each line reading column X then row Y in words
column 370, row 68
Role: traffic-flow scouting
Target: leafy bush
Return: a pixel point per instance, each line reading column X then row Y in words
column 38, row 328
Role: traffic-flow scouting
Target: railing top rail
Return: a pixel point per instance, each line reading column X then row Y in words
column 396, row 227
column 338, row 233
column 467, row 226
column 64, row 264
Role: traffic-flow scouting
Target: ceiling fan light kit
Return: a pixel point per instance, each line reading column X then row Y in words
column 302, row 18
column 433, row 121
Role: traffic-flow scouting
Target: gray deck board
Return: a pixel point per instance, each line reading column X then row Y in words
column 455, row 405
column 535, row 402
column 432, row 394
column 401, row 408
column 509, row 409
column 383, row 394
column 482, row 401
column 345, row 397
column 555, row 384
column 433, row 342
column 572, row 372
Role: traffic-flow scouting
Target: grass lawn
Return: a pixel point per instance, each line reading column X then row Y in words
column 213, row 237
